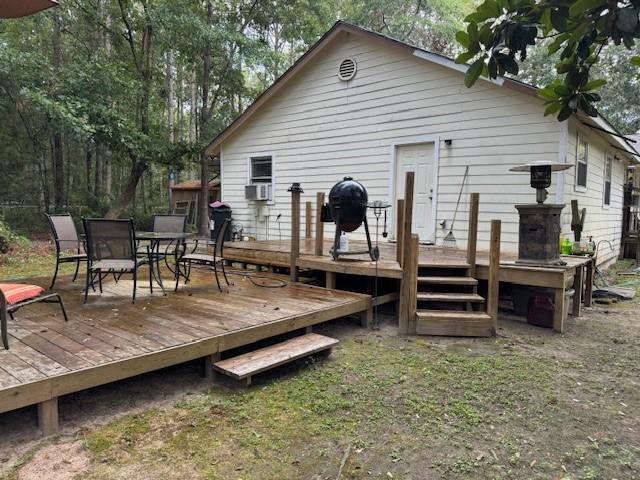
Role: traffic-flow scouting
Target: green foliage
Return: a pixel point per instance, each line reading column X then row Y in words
column 501, row 33
column 10, row 239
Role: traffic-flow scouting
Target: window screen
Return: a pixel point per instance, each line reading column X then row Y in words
column 608, row 167
column 581, row 163
column 261, row 169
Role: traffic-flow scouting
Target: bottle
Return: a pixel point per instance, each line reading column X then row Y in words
column 566, row 246
column 344, row 242
column 591, row 247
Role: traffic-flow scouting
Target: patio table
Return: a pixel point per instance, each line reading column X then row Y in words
column 155, row 239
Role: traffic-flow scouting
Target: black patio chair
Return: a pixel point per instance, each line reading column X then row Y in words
column 206, row 259
column 14, row 296
column 111, row 248
column 169, row 223
column 69, row 246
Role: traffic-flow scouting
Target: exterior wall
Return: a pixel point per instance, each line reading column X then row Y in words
column 319, row 129
column 602, row 222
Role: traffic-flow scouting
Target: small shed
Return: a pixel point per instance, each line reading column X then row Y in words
column 185, row 197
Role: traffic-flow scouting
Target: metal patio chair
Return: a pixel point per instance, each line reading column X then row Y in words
column 206, row 259
column 111, row 248
column 169, row 223
column 69, row 246
column 14, row 296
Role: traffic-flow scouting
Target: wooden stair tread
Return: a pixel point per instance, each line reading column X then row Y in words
column 453, row 264
column 437, row 280
column 452, row 323
column 449, row 297
column 263, row 359
column 452, row 315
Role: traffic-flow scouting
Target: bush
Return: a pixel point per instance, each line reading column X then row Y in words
column 9, row 239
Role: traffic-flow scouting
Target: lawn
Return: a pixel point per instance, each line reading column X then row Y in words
column 529, row 404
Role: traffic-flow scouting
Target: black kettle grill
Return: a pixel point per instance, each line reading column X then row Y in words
column 348, row 209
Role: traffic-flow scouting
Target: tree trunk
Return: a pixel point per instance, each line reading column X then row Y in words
column 98, row 177
column 58, row 154
column 139, row 167
column 171, row 97
column 203, row 227
column 88, row 161
column 129, row 191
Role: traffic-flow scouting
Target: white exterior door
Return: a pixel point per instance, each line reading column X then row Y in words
column 417, row 158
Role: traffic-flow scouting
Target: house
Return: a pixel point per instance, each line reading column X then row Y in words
column 364, row 105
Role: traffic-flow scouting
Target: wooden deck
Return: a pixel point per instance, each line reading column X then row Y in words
column 578, row 271
column 110, row 339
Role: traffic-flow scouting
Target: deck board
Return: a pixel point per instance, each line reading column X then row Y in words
column 110, row 338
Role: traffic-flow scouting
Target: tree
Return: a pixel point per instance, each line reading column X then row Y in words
column 500, row 33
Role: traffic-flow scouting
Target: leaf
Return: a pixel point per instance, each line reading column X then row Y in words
column 559, row 18
column 627, row 19
column 472, row 31
column 548, row 93
column 594, row 84
column 582, row 6
column 509, row 64
column 464, row 57
column 473, row 73
column 564, row 114
column 552, row 108
column 490, row 9
column 635, row 61
column 463, row 39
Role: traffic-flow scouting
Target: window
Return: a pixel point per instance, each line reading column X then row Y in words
column 582, row 155
column 261, row 169
column 608, row 167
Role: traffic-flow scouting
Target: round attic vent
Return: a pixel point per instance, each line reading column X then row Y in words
column 347, row 69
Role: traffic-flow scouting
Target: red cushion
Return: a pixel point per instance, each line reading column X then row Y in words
column 17, row 292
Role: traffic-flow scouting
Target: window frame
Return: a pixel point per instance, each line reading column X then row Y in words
column 580, row 137
column 251, row 180
column 608, row 157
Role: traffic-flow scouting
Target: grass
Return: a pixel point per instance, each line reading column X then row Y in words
column 528, row 405
column 31, row 259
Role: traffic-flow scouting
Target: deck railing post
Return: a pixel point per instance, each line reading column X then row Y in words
column 472, row 241
column 494, row 274
column 409, row 287
column 409, row 261
column 295, row 190
column 319, row 224
column 307, row 220
column 399, row 229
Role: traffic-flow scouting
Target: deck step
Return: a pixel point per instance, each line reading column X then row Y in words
column 449, row 297
column 453, row 323
column 448, row 280
column 248, row 364
column 454, row 264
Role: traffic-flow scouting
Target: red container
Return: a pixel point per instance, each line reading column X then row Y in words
column 540, row 311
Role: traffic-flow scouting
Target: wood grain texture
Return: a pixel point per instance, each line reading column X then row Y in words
column 273, row 356
column 494, row 274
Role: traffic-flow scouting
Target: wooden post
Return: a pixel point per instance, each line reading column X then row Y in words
column 588, row 283
column 330, row 280
column 399, row 229
column 408, row 259
column 578, row 285
column 319, row 224
column 494, row 274
column 48, row 416
column 295, row 190
column 472, row 241
column 307, row 220
column 209, row 360
column 559, row 307
column 409, row 287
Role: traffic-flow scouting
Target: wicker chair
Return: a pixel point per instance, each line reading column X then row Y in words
column 17, row 295
column 111, row 249
column 207, row 259
column 69, row 246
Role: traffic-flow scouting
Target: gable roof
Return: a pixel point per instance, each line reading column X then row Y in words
column 344, row 27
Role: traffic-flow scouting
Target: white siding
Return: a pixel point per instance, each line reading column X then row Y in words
column 320, row 129
column 602, row 222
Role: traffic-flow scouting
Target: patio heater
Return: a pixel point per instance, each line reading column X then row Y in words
column 539, row 234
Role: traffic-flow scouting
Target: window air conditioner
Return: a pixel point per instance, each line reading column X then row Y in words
column 257, row 191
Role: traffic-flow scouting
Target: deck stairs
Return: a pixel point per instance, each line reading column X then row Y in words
column 448, row 303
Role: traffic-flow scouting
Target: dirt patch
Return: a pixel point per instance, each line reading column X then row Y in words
column 56, row 462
